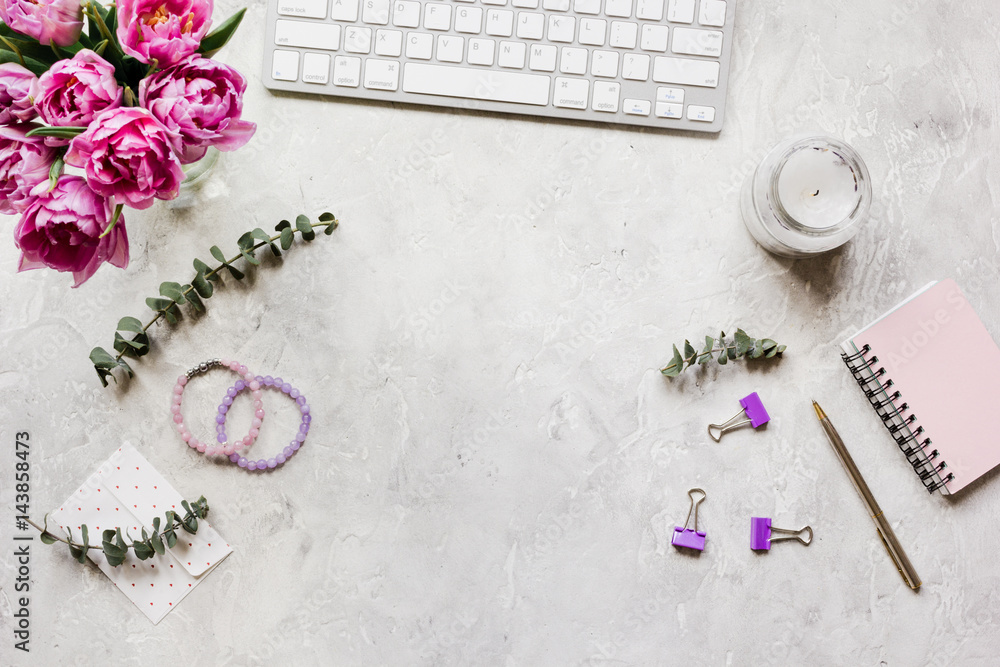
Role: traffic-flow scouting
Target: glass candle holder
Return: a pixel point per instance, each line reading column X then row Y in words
column 808, row 195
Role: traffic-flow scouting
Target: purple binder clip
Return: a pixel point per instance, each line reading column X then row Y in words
column 761, row 530
column 755, row 413
column 688, row 537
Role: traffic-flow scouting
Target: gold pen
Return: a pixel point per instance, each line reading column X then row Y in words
column 896, row 552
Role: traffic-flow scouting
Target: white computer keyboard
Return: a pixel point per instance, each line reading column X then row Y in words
column 654, row 63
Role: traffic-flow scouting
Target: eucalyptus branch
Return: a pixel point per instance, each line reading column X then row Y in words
column 172, row 295
column 739, row 346
column 114, row 546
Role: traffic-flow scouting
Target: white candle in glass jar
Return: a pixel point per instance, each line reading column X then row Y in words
column 817, row 187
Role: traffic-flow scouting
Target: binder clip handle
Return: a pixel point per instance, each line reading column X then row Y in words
column 690, row 538
column 753, row 410
column 762, row 534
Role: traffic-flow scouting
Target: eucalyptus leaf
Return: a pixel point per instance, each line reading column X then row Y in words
column 217, row 254
column 201, row 285
column 48, row 538
column 287, row 237
column 157, row 543
column 130, row 324
column 305, row 227
column 173, row 291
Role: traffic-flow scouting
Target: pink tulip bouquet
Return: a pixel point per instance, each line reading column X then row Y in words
column 99, row 109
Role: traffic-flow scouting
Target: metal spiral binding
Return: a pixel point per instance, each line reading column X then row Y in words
column 924, row 461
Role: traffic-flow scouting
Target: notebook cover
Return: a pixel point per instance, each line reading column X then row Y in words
column 946, row 365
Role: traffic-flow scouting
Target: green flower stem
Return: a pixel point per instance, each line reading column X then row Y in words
column 690, row 360
column 216, row 270
column 102, row 26
column 174, row 528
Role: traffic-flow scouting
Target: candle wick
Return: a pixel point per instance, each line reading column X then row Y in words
column 815, row 193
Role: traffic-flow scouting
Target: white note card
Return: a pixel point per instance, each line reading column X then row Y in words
column 127, row 492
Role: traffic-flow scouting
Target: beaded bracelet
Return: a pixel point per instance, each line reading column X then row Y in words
column 224, row 447
column 293, row 446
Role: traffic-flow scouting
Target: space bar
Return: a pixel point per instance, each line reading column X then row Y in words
column 476, row 84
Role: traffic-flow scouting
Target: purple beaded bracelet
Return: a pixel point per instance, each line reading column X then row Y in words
column 293, row 446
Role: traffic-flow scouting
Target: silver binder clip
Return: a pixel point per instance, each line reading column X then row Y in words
column 753, row 410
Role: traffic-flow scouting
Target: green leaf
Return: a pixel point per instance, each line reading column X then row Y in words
column 216, row 253
column 48, row 538
column 245, row 242
column 768, row 344
column 142, row 550
column 114, row 560
column 723, row 357
column 128, row 369
column 287, row 237
column 303, row 225
column 781, row 348
column 137, row 346
column 743, row 342
column 108, row 535
column 690, row 354
column 201, row 286
column 157, row 543
column 216, row 39
column 119, row 540
column 235, row 273
column 261, row 235
column 195, row 302
column 130, row 324
column 86, row 536
column 284, row 224
column 103, row 363
column 758, row 350
column 190, row 524
column 158, row 304
column 62, row 131
column 171, row 537
column 706, row 354
column 112, row 550
column 78, row 553
column 248, row 256
column 676, row 365
column 173, row 291
column 329, row 218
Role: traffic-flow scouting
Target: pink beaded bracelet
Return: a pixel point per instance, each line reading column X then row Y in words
column 248, row 381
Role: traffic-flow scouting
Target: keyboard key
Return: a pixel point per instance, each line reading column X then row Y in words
column 525, row 4
column 605, row 64
column 344, row 10
column 636, row 107
column 686, row 72
column 713, row 13
column 511, row 55
column 358, row 40
column 670, row 95
column 499, row 23
column 322, row 36
column 556, row 5
column 605, row 96
column 697, row 42
column 381, row 74
column 701, row 114
column 681, row 11
column 495, row 2
column 592, row 31
column 481, row 51
column 375, row 11
column 406, row 14
column 388, row 43
column 316, row 68
column 669, row 110
column 450, row 49
column 313, row 9
column 476, row 84
column 561, row 28
column 571, row 93
column 419, row 45
column 285, row 65
column 623, row 34
column 347, row 71
column 587, row 6
column 654, row 38
column 530, row 25
column 573, row 61
column 469, row 20
column 635, row 67
column 649, row 10
column 437, row 16
column 619, row 8
column 543, row 58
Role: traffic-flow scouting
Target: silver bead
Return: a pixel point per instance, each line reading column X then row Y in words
column 203, row 367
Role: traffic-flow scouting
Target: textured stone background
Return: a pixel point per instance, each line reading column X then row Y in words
column 495, row 462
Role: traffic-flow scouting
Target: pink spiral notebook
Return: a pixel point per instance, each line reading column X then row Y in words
column 931, row 370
